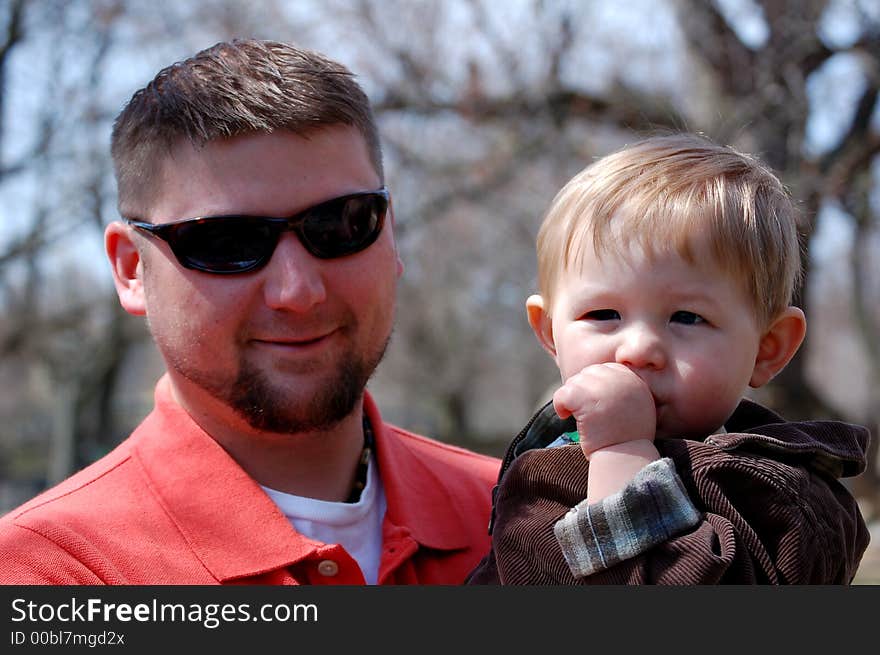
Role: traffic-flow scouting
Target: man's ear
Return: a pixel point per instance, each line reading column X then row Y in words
column 393, row 236
column 125, row 264
column 542, row 324
column 778, row 345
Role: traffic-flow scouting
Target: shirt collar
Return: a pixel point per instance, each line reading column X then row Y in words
column 236, row 530
column 419, row 500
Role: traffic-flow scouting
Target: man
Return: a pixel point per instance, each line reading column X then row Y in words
column 264, row 460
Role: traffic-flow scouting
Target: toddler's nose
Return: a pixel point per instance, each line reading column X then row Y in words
column 641, row 348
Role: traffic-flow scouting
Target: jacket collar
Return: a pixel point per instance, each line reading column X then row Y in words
column 235, row 529
column 834, row 447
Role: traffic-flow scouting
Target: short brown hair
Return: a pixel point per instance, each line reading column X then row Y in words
column 662, row 191
column 230, row 89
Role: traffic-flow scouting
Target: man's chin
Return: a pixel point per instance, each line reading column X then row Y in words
column 290, row 402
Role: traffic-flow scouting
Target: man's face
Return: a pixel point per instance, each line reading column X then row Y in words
column 289, row 347
column 688, row 331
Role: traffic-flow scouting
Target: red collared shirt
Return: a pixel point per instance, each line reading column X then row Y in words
column 169, row 506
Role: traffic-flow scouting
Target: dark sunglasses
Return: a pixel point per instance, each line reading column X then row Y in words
column 238, row 244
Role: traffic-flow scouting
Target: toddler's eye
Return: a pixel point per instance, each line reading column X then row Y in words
column 602, row 315
column 686, row 318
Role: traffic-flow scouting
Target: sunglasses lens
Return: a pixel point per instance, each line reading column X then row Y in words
column 344, row 226
column 238, row 244
column 229, row 245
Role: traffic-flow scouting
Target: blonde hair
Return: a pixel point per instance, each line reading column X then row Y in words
column 664, row 192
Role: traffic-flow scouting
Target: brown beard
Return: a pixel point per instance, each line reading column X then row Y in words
column 264, row 406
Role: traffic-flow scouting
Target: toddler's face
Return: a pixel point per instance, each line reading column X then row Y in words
column 688, row 331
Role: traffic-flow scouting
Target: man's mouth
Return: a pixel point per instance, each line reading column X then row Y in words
column 295, row 342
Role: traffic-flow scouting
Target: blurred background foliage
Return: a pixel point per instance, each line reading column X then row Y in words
column 486, row 108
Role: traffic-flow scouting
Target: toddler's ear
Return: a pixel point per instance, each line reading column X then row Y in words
column 778, row 345
column 541, row 323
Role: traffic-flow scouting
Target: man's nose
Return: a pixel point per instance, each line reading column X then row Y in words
column 641, row 347
column 293, row 277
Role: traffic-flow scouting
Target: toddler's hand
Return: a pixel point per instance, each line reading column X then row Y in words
column 611, row 405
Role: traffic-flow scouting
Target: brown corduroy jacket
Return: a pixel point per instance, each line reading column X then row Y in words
column 773, row 508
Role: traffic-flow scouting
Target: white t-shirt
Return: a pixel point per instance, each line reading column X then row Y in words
column 357, row 527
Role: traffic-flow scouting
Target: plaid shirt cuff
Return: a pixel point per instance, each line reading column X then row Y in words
column 651, row 509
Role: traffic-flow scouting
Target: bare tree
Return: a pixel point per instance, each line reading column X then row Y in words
column 63, row 329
